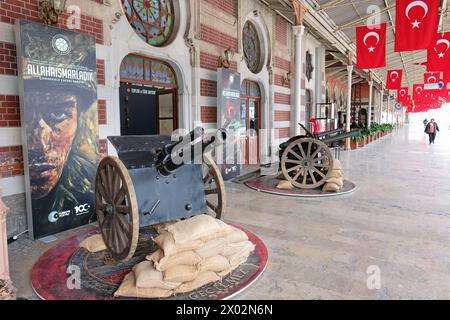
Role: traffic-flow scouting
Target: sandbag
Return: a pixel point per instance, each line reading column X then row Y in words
column 156, row 256
column 167, row 244
column 331, row 187
column 337, row 164
column 285, row 185
column 216, row 264
column 128, row 289
column 182, row 258
column 181, row 273
column 163, row 226
column 281, row 176
column 237, row 235
column 203, row 279
column 337, row 181
column 242, row 255
column 94, row 243
column 336, row 174
column 216, row 246
column 233, row 248
column 146, row 276
column 198, row 227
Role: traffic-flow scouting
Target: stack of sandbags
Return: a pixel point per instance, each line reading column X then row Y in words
column 93, row 244
column 191, row 254
column 336, row 180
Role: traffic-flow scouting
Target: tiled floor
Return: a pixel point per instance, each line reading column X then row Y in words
column 397, row 223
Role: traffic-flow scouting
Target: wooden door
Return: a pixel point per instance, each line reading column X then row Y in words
column 166, row 115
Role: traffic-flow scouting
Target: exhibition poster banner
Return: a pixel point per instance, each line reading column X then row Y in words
column 58, row 96
column 229, row 118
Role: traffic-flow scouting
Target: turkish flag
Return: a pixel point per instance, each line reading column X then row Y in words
column 394, row 79
column 402, row 94
column 416, row 24
column 371, row 46
column 431, row 77
column 439, row 53
column 447, row 95
column 418, row 92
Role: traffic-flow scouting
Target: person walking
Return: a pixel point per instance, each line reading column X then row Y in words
column 432, row 129
column 425, row 123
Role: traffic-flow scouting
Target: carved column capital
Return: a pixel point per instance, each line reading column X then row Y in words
column 299, row 11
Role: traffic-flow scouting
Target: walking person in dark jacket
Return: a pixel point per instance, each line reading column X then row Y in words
column 432, row 129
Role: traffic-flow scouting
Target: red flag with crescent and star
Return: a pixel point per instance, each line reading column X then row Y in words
column 418, row 93
column 431, row 77
column 416, row 24
column 402, row 94
column 439, row 53
column 394, row 79
column 371, row 46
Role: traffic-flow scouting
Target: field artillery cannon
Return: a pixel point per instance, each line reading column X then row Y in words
column 306, row 160
column 154, row 180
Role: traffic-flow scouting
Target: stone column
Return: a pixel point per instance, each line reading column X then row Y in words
column 349, row 98
column 387, row 109
column 369, row 112
column 299, row 29
column 380, row 118
column 298, row 32
column 7, row 291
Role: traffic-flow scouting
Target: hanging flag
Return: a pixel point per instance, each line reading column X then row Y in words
column 402, row 94
column 431, row 77
column 416, row 24
column 418, row 93
column 394, row 79
column 439, row 53
column 371, row 46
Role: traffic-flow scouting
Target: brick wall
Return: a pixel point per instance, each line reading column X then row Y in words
column 213, row 36
column 228, row 6
column 282, row 63
column 102, row 112
column 283, row 133
column 209, row 61
column 9, row 111
column 103, row 144
column 8, row 60
column 209, row 114
column 11, row 161
column 208, row 88
column 28, row 10
column 281, row 30
column 282, row 98
column 282, row 115
column 100, row 72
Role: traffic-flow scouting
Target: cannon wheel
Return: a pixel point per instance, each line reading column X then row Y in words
column 117, row 209
column 214, row 187
column 307, row 163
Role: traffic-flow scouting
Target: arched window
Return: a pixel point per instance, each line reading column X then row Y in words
column 252, row 47
column 153, row 20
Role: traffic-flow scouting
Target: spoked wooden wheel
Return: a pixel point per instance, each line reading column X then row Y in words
column 307, row 163
column 214, row 188
column 117, row 208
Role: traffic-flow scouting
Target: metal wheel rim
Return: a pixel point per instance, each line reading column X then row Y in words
column 116, row 208
column 214, row 188
column 310, row 166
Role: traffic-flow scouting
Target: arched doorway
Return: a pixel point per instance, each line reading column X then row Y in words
column 251, row 117
column 148, row 97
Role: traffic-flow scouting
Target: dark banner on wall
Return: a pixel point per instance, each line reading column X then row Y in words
column 229, row 118
column 57, row 72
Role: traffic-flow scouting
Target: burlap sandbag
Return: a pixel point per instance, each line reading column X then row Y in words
column 242, row 255
column 337, row 164
column 147, row 276
column 181, row 273
column 163, row 226
column 128, row 289
column 216, row 264
column 202, row 227
column 182, row 258
column 331, row 187
column 285, row 185
column 281, row 176
column 216, row 246
column 156, row 256
column 336, row 174
column 94, row 244
column 167, row 244
column 337, row 181
column 233, row 248
column 201, row 280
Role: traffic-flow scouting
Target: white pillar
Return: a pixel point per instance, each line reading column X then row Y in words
column 298, row 32
column 6, row 288
column 369, row 112
column 380, row 118
column 349, row 98
column 387, row 109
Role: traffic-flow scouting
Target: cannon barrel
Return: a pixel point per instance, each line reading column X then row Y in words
column 174, row 155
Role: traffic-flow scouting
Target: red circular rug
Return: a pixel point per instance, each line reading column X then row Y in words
column 268, row 184
column 52, row 277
